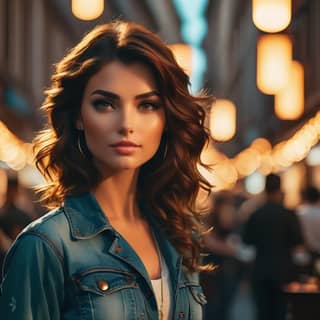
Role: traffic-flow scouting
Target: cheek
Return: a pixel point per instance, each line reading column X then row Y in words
column 95, row 125
column 95, row 135
column 154, row 132
column 91, row 131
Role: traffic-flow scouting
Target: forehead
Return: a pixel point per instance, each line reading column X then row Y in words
column 118, row 77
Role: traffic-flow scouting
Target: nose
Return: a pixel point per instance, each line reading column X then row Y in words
column 126, row 123
column 125, row 131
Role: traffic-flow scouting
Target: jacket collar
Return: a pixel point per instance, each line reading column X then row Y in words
column 86, row 219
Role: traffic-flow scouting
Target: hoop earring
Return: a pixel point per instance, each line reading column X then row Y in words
column 165, row 149
column 80, row 147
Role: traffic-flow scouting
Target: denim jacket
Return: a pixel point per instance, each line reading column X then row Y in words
column 71, row 264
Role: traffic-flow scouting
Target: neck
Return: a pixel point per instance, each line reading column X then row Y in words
column 116, row 196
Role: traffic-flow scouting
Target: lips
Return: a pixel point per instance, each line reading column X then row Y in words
column 125, row 148
column 125, row 144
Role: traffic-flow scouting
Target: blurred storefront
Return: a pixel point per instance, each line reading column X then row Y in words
column 32, row 37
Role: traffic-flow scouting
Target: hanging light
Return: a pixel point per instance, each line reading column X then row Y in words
column 271, row 15
column 183, row 54
column 274, row 56
column 87, row 9
column 289, row 102
column 222, row 120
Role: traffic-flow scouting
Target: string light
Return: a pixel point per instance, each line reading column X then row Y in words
column 87, row 9
column 271, row 15
column 274, row 58
column 183, row 54
column 222, row 120
column 289, row 102
column 261, row 157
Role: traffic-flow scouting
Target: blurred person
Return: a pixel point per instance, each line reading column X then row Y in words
column 12, row 218
column 309, row 215
column 276, row 234
column 221, row 244
column 120, row 157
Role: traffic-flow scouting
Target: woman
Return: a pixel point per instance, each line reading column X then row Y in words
column 120, row 156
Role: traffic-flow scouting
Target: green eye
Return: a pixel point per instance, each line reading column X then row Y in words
column 149, row 106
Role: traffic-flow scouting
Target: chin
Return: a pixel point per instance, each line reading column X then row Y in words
column 124, row 166
column 119, row 165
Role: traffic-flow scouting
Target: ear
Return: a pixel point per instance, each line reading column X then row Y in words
column 79, row 124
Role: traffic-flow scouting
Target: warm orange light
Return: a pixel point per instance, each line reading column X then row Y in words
column 247, row 161
column 274, row 57
column 289, row 102
column 223, row 120
column 271, row 15
column 87, row 9
column 266, row 164
column 261, row 145
column 183, row 54
column 226, row 171
column 12, row 149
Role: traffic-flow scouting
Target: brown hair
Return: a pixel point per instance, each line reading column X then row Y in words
column 170, row 181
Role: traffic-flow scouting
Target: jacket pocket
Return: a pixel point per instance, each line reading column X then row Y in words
column 104, row 281
column 105, row 293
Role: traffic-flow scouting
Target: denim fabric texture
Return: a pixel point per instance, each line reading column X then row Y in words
column 71, row 264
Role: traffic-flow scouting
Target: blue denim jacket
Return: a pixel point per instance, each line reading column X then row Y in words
column 71, row 264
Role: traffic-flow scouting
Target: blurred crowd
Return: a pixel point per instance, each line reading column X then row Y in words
column 259, row 246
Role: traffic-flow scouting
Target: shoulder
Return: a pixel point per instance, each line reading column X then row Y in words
column 31, row 253
column 51, row 230
column 51, row 225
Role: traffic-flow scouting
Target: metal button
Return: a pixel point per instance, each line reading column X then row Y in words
column 181, row 314
column 103, row 285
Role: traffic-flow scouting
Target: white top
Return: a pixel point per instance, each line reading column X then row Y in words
column 161, row 288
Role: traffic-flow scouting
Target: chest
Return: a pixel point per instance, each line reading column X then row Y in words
column 143, row 243
column 106, row 280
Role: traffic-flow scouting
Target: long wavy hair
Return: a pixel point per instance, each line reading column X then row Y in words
column 170, row 181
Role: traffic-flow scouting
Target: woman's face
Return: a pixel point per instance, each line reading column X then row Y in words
column 122, row 116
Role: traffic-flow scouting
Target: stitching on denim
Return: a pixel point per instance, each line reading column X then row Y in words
column 51, row 244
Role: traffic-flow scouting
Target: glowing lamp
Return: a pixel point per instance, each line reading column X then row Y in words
column 183, row 54
column 274, row 57
column 271, row 15
column 289, row 102
column 87, row 9
column 223, row 120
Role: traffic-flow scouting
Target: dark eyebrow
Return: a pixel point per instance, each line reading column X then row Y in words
column 148, row 95
column 114, row 96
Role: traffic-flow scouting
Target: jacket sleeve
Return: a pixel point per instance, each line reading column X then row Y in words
column 32, row 284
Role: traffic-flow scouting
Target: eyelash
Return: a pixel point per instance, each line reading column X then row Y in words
column 102, row 103
column 145, row 105
column 154, row 105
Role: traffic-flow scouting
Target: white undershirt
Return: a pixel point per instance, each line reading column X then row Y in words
column 161, row 288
